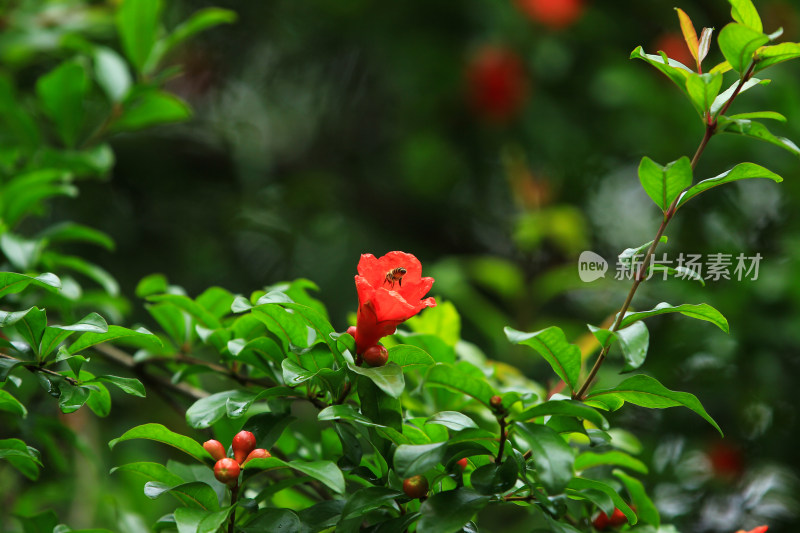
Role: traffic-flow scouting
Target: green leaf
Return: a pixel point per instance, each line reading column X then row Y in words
column 198, row 22
column 410, row 357
column 21, row 253
column 92, row 323
column 9, row 318
column 604, row 336
column 111, row 73
column 493, row 478
column 72, row 232
column 771, row 115
column 152, row 284
column 674, row 70
column 274, row 519
column 443, row 321
column 645, row 509
column 21, row 456
column 31, row 327
column 72, row 397
column 551, row 343
column 207, row 411
column 588, row 460
column 11, row 404
column 378, row 406
column 150, row 108
column 99, row 398
column 62, row 92
column 388, row 378
column 579, row 483
column 448, row 511
column 452, row 420
column 78, row 264
column 117, row 334
column 324, row 471
column 159, row 433
column 450, row 377
column 776, row 53
column 7, row 365
column 190, row 520
column 739, row 43
column 345, row 412
column 698, row 311
column 726, row 95
column 552, row 456
column 645, row 391
column 197, row 494
column 628, row 254
column 25, row 193
column 197, row 311
column 757, row 130
column 634, row 341
column 703, row 90
column 130, row 386
column 96, row 160
column 151, row 472
column 664, row 184
column 563, row 408
column 414, row 459
column 138, row 23
column 739, row 172
column 368, row 499
column 744, row 11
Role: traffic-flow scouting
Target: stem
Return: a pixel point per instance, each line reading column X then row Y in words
column 42, row 370
column 234, row 497
column 503, row 436
column 711, row 128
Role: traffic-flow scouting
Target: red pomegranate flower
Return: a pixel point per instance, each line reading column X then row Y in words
column 759, row 529
column 390, row 291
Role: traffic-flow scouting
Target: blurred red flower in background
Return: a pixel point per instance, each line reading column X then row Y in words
column 759, row 529
column 675, row 47
column 384, row 301
column 555, row 14
column 496, row 83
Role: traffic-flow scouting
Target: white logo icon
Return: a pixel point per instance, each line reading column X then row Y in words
column 591, row 266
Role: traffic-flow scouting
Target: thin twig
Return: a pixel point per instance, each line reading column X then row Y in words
column 710, row 130
column 503, row 437
column 40, row 369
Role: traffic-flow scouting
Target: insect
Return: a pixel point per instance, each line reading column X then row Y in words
column 395, row 275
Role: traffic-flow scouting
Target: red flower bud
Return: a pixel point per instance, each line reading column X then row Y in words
column 462, row 463
column 352, row 331
column 376, row 355
column 258, row 453
column 496, row 401
column 227, row 471
column 603, row 521
column 215, row 448
column 618, row 518
column 415, row 487
column 244, row 442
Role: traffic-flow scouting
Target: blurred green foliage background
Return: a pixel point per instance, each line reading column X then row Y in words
column 495, row 144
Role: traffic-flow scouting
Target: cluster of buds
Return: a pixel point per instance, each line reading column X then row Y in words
column 227, row 469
